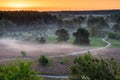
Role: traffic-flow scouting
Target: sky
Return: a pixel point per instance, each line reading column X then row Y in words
column 58, row 5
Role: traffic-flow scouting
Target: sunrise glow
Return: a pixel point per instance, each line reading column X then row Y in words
column 17, row 5
column 54, row 5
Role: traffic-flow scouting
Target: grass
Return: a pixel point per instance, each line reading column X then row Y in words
column 94, row 41
column 114, row 43
column 51, row 39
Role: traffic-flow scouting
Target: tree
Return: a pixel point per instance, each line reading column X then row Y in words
column 2, row 27
column 93, row 31
column 87, row 67
column 62, row 35
column 116, row 28
column 41, row 40
column 18, row 70
column 81, row 37
column 97, row 21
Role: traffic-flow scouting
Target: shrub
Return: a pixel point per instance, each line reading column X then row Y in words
column 23, row 53
column 19, row 70
column 43, row 60
column 87, row 67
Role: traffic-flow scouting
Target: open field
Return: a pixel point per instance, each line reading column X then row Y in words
column 12, row 48
column 94, row 41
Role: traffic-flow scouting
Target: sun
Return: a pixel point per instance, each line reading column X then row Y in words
column 18, row 5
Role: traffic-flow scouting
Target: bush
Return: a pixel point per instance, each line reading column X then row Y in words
column 87, row 67
column 23, row 53
column 43, row 60
column 19, row 70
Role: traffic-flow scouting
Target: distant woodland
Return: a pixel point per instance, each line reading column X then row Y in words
column 93, row 21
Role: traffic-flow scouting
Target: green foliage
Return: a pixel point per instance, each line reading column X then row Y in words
column 2, row 27
column 42, row 40
column 97, row 21
column 97, row 42
column 93, row 31
column 51, row 39
column 43, row 60
column 19, row 70
column 114, row 35
column 62, row 35
column 87, row 67
column 114, row 43
column 116, row 28
column 81, row 36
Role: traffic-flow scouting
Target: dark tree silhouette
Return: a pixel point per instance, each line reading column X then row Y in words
column 81, row 37
column 97, row 21
column 62, row 35
column 116, row 27
column 2, row 27
column 93, row 31
column 42, row 40
column 24, row 20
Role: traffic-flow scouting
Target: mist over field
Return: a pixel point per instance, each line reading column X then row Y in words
column 56, row 41
column 34, row 49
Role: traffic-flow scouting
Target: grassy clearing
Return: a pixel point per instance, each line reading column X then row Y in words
column 114, row 43
column 94, row 41
column 51, row 39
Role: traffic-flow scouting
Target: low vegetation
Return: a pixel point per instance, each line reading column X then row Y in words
column 114, row 43
column 18, row 70
column 87, row 67
column 23, row 53
column 43, row 60
column 96, row 42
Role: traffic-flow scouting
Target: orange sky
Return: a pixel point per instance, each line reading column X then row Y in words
column 51, row 5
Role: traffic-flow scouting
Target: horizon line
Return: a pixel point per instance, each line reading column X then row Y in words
column 62, row 10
